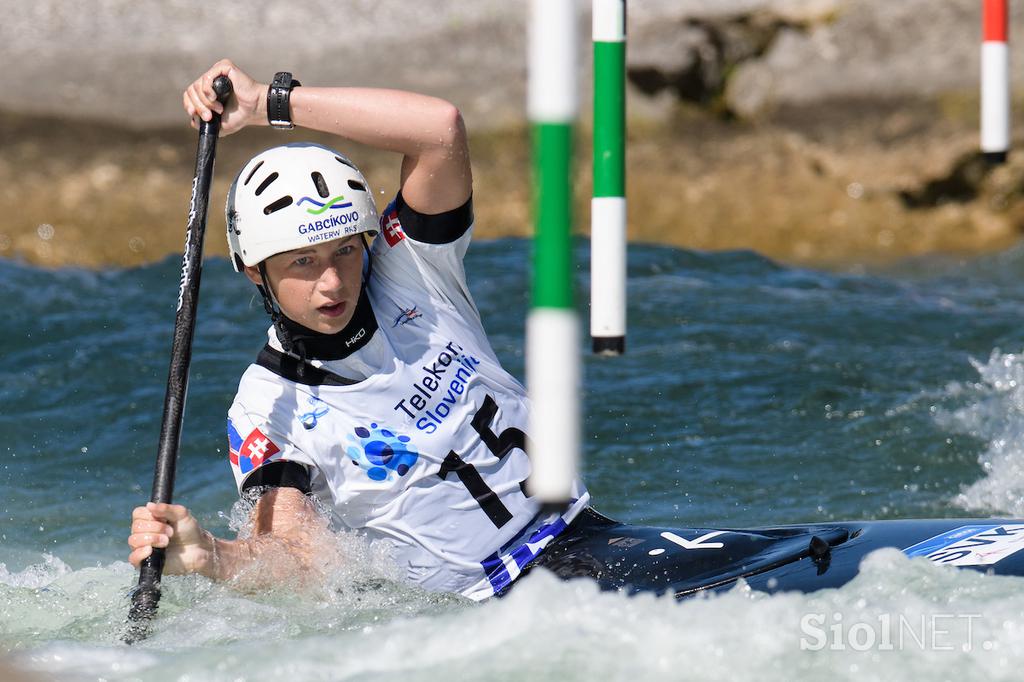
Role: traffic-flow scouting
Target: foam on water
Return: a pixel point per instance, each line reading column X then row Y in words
column 994, row 413
column 36, row 575
column 899, row 619
column 752, row 394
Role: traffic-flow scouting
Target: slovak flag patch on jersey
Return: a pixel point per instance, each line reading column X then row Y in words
column 251, row 452
column 391, row 227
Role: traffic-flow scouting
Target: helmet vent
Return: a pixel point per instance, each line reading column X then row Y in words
column 321, row 184
column 252, row 173
column 355, row 184
column 345, row 162
column 266, row 183
column 277, row 205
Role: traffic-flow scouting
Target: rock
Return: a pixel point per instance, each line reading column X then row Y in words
column 808, row 12
column 128, row 60
column 869, row 48
column 749, row 92
column 682, row 58
column 694, row 58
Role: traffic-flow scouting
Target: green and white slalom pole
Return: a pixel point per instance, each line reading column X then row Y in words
column 552, row 327
column 608, row 205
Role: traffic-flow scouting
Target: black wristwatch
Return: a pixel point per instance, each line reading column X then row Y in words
column 279, row 112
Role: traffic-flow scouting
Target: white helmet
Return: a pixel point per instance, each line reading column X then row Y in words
column 292, row 196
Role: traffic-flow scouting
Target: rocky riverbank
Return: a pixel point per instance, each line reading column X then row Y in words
column 839, row 183
column 824, row 132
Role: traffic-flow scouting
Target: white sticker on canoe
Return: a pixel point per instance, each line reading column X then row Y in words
column 697, row 543
column 977, row 545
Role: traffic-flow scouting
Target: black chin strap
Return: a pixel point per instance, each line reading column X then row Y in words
column 369, row 257
column 274, row 310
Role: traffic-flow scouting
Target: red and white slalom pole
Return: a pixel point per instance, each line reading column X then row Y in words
column 995, row 80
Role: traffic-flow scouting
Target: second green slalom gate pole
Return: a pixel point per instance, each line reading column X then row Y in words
column 552, row 327
column 608, row 205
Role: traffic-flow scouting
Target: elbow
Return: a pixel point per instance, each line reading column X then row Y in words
column 451, row 127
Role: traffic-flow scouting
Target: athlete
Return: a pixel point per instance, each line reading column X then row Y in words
column 378, row 399
column 377, row 396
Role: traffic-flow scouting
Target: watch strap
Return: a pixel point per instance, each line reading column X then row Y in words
column 279, row 113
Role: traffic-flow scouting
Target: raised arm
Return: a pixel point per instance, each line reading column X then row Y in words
column 290, row 541
column 427, row 131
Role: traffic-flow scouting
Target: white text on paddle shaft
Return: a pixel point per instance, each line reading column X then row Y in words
column 186, row 258
column 432, row 382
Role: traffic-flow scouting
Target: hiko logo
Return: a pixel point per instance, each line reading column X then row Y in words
column 381, row 453
column 336, row 202
column 356, row 337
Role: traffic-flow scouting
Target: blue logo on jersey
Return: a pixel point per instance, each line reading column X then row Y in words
column 383, row 454
column 309, row 419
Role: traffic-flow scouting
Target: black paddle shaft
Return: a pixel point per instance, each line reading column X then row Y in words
column 147, row 596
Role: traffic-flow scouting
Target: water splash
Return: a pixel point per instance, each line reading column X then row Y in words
column 994, row 413
column 900, row 619
column 35, row 576
column 348, row 561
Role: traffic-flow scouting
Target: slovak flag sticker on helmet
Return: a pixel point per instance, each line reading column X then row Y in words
column 391, row 228
column 250, row 453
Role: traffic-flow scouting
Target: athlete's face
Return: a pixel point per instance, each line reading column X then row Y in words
column 317, row 286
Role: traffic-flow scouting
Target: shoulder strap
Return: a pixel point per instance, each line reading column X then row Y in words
column 293, row 369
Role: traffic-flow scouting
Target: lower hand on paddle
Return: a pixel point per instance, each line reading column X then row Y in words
column 247, row 106
column 289, row 540
column 189, row 547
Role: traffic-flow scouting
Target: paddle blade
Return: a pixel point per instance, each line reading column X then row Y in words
column 145, row 598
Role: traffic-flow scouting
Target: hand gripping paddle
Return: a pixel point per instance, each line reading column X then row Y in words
column 146, row 596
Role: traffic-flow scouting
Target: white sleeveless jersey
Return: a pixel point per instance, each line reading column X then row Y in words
column 427, row 453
